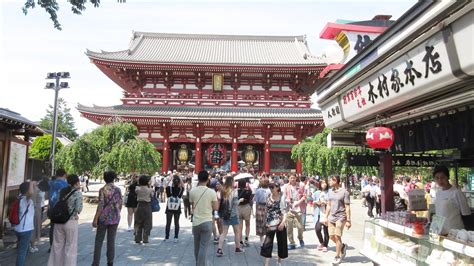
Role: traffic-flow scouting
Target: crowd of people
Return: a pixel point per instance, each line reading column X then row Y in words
column 213, row 202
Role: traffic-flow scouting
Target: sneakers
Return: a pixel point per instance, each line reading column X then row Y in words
column 343, row 251
column 216, row 240
column 165, row 240
column 175, row 240
column 291, row 246
column 336, row 261
column 219, row 253
column 301, row 243
column 129, row 229
column 246, row 242
column 239, row 250
column 34, row 249
column 325, row 249
column 320, row 247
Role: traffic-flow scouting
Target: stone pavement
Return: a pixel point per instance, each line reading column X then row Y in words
column 158, row 252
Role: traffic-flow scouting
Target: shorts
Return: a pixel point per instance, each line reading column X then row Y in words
column 245, row 211
column 234, row 220
column 336, row 228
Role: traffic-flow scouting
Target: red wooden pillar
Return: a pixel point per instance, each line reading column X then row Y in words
column 299, row 166
column 166, row 156
column 266, row 157
column 234, row 157
column 198, row 156
column 386, row 182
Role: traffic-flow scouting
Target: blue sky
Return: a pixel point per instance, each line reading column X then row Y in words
column 30, row 46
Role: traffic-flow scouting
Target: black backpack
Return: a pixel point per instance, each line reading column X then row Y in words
column 225, row 209
column 60, row 212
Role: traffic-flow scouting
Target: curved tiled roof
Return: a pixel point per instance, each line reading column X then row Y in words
column 169, row 48
column 188, row 112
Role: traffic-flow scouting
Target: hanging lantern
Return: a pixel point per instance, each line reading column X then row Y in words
column 380, row 137
column 249, row 155
column 216, row 154
column 183, row 154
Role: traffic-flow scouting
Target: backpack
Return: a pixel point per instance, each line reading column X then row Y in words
column 225, row 210
column 60, row 212
column 174, row 203
column 14, row 213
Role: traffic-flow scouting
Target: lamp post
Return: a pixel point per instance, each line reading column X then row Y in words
column 56, row 86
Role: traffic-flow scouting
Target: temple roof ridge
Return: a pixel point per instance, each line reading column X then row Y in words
column 213, row 49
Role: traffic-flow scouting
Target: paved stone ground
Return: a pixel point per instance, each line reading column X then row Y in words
column 158, row 252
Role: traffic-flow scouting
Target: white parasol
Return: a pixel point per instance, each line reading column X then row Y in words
column 243, row 176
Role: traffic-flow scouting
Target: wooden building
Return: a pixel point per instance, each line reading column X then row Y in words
column 15, row 132
column 215, row 101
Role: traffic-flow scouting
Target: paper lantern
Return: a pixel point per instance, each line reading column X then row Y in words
column 216, row 154
column 379, row 137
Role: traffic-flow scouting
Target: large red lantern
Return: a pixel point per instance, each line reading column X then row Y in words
column 216, row 154
column 379, row 137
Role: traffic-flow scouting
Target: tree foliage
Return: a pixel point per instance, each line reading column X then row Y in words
column 41, row 147
column 110, row 147
column 318, row 159
column 52, row 8
column 65, row 120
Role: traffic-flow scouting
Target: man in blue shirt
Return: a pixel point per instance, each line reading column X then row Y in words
column 54, row 189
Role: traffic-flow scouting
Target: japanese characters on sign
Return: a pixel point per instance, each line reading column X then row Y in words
column 355, row 159
column 416, row 73
column 332, row 113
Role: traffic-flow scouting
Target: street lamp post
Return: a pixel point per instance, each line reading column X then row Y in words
column 56, row 86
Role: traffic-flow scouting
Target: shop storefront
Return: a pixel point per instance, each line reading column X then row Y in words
column 417, row 78
column 15, row 132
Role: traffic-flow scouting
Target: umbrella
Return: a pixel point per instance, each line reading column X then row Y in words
column 243, row 176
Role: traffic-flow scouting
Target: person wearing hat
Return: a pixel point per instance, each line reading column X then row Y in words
column 450, row 202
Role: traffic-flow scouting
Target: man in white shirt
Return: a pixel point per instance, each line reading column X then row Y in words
column 294, row 201
column 450, row 203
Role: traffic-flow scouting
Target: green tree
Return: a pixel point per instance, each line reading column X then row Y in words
column 41, row 147
column 113, row 146
column 65, row 120
column 52, row 7
column 134, row 156
column 318, row 159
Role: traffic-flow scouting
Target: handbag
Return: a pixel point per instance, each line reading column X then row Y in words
column 155, row 204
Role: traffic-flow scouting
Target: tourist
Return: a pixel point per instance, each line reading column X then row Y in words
column 378, row 198
column 261, row 196
column 370, row 192
column 339, row 214
column 64, row 249
column 187, row 204
column 275, row 223
column 143, row 214
column 107, row 218
column 363, row 183
column 451, row 202
column 228, row 212
column 131, row 200
column 24, row 229
column 303, row 192
column 216, row 222
column 204, row 202
column 245, row 210
column 174, row 193
column 320, row 217
column 39, row 187
column 86, row 177
column 157, row 184
column 294, row 199
column 57, row 184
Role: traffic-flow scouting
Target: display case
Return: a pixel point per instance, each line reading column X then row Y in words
column 387, row 243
